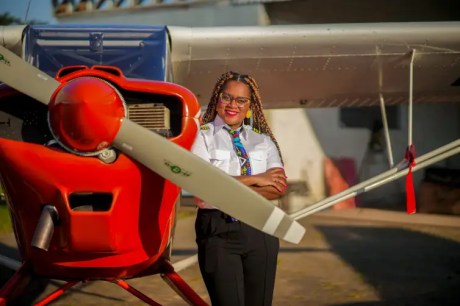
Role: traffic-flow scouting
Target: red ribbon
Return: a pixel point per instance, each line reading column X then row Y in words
column 410, row 194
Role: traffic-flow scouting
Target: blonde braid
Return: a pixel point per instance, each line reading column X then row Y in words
column 259, row 120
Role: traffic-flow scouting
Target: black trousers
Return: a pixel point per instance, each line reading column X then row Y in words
column 237, row 262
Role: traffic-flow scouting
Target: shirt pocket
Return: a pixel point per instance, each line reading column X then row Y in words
column 258, row 161
column 220, row 159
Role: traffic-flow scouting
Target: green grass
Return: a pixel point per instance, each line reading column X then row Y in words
column 5, row 222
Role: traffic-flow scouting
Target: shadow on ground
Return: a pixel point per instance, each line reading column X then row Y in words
column 34, row 288
column 405, row 267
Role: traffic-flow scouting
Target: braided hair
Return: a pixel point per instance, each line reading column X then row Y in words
column 259, row 121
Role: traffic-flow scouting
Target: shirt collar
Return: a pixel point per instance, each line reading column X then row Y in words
column 219, row 124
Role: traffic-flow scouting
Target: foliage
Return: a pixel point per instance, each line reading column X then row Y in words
column 5, row 222
column 7, row 19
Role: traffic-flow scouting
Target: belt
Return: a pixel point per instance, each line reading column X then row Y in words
column 217, row 213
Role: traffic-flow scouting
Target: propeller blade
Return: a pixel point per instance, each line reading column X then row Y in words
column 205, row 181
column 24, row 77
column 169, row 160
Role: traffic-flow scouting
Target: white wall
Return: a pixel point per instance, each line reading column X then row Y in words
column 301, row 150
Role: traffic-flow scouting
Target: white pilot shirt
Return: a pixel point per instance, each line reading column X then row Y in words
column 214, row 144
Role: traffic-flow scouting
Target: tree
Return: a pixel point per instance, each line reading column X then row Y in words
column 7, row 19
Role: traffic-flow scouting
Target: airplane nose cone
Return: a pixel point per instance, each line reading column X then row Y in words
column 86, row 114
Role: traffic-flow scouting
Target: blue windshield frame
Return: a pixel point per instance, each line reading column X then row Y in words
column 139, row 51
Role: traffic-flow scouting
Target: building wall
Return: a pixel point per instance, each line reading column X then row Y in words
column 433, row 126
column 202, row 15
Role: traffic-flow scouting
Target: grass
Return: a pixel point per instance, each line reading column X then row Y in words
column 5, row 222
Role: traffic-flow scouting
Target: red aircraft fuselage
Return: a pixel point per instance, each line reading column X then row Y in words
column 115, row 219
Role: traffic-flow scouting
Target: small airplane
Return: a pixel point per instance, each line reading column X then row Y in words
column 99, row 184
column 99, row 121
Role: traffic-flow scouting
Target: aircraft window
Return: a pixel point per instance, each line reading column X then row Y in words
column 138, row 54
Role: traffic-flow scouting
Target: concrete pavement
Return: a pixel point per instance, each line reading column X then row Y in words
column 347, row 257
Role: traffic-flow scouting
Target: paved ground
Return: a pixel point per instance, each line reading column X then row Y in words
column 354, row 257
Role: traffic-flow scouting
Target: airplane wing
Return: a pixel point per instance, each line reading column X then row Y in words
column 316, row 65
column 325, row 65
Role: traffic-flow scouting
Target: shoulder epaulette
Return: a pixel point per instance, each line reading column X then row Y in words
column 204, row 127
column 256, row 130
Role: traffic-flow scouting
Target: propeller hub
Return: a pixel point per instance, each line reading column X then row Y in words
column 86, row 114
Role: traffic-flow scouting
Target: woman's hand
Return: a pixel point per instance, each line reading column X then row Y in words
column 272, row 177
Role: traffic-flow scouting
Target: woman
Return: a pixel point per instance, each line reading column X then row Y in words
column 238, row 262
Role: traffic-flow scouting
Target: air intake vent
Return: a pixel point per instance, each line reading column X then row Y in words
column 153, row 116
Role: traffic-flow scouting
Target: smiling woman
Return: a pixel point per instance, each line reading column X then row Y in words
column 238, row 262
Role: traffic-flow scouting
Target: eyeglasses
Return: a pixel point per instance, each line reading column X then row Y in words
column 226, row 98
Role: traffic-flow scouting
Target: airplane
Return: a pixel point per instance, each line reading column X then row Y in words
column 79, row 159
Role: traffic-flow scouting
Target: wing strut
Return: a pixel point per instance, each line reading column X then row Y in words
column 396, row 172
column 411, row 92
column 383, row 111
column 410, row 151
column 387, row 131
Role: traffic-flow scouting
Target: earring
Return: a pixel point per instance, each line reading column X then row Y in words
column 248, row 114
